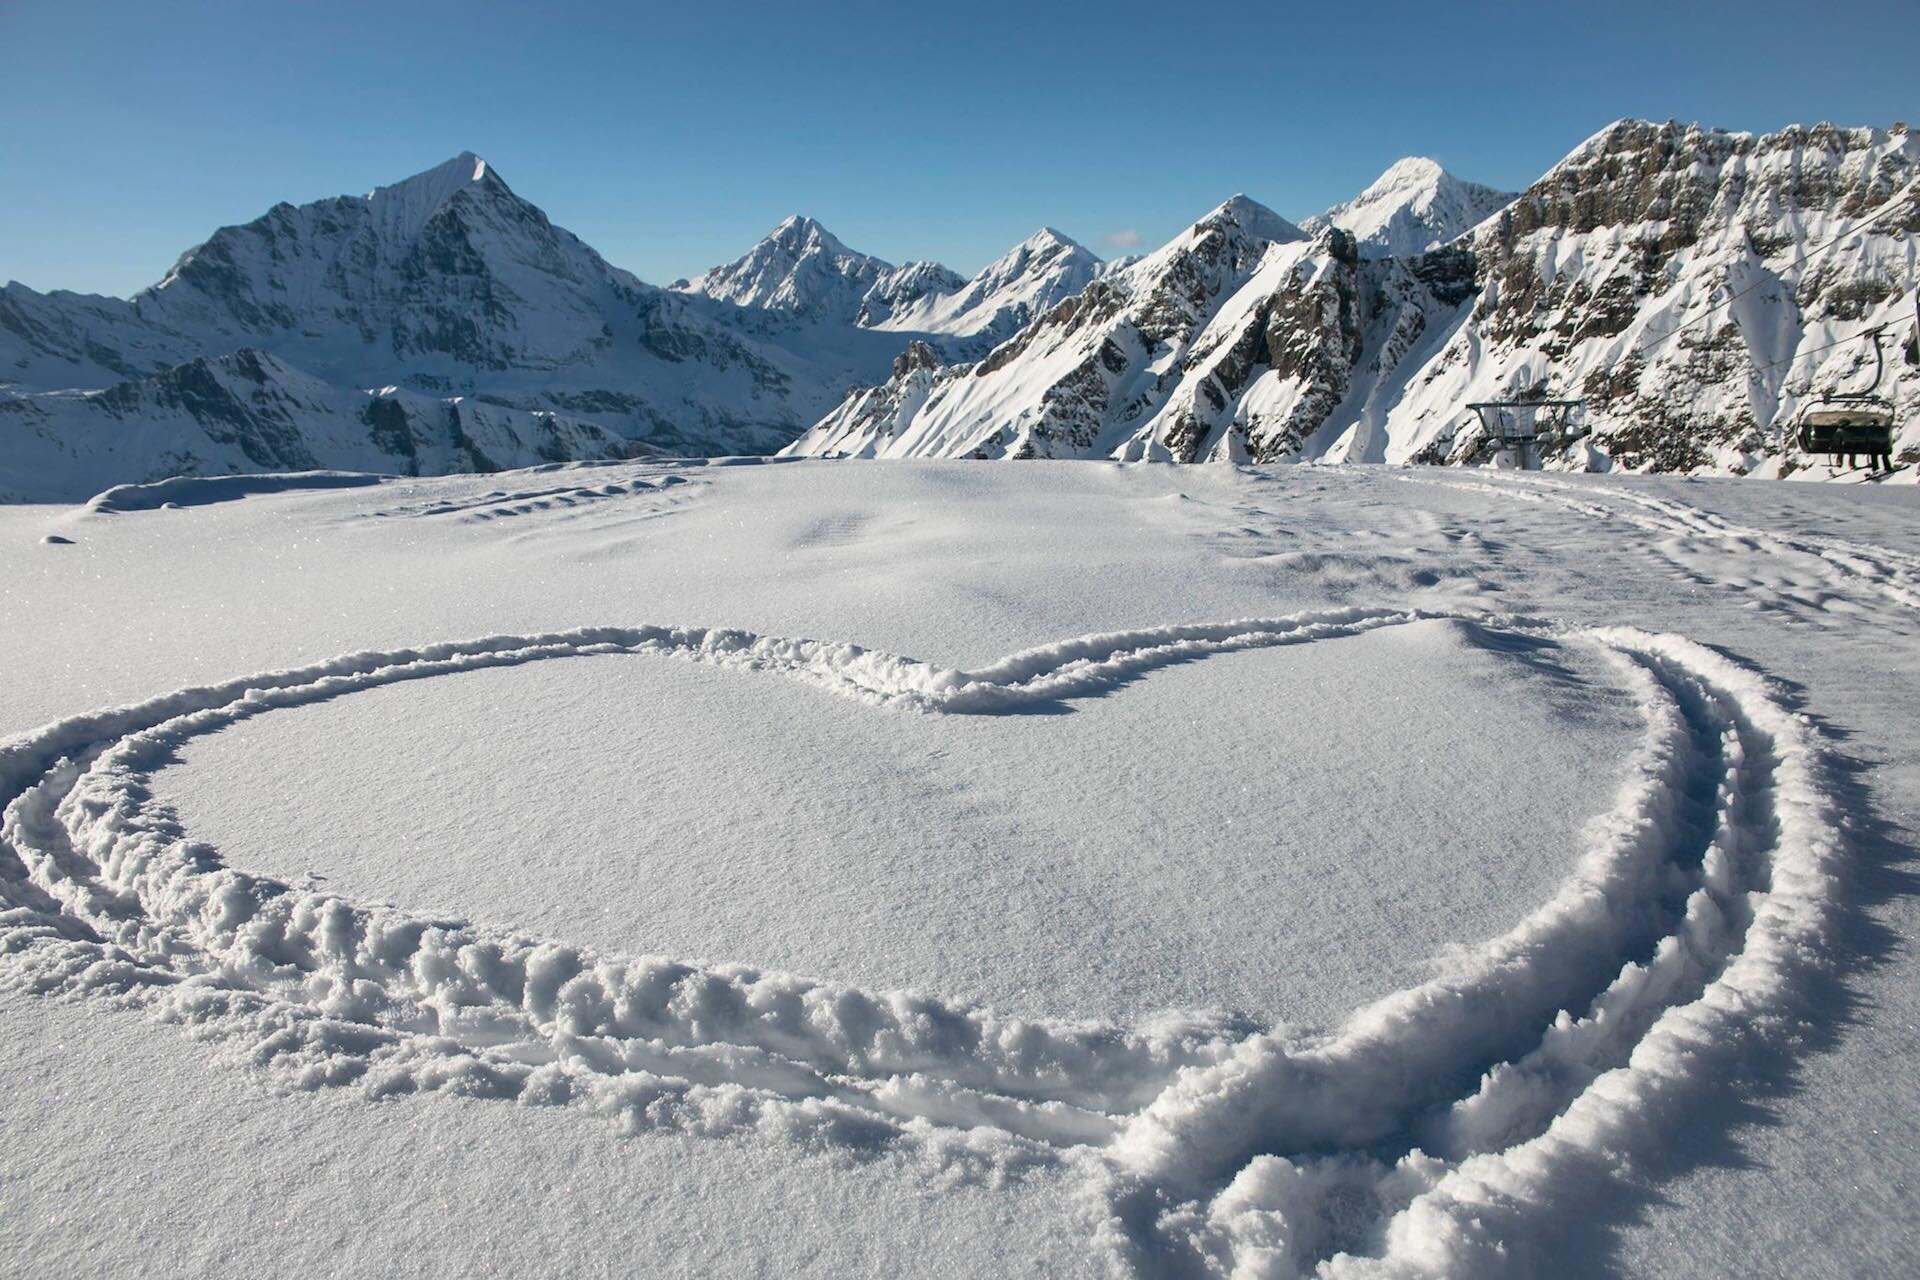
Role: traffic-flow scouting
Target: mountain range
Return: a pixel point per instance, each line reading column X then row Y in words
column 1695, row 288
column 1680, row 279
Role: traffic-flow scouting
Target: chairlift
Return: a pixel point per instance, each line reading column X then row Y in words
column 1522, row 427
column 1851, row 422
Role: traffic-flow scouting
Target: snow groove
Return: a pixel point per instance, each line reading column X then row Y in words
column 497, row 504
column 1363, row 1155
column 1837, row 564
column 1433, row 1134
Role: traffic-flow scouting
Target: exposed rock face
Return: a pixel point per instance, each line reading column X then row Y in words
column 1672, row 276
column 1663, row 272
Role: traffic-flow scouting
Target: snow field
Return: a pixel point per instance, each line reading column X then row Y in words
column 1491, row 1116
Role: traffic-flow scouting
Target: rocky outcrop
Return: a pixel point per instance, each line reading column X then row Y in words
column 1697, row 287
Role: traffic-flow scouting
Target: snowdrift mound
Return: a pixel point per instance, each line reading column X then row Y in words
column 198, row 491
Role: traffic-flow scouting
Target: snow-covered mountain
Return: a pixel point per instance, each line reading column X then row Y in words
column 1679, row 279
column 1413, row 207
column 1028, row 279
column 446, row 284
column 1117, row 369
column 902, row 287
column 1697, row 288
column 802, row 268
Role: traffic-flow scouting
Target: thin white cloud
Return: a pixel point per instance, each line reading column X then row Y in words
column 1124, row 239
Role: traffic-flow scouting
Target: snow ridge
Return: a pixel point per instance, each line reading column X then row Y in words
column 799, row 266
column 1125, row 368
column 1459, row 1116
column 1028, row 280
column 1413, row 207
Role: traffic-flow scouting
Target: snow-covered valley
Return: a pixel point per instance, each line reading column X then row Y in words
column 935, row 868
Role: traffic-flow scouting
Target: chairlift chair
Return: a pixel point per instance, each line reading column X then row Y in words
column 1850, row 422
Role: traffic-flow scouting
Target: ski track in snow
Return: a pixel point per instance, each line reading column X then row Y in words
column 1804, row 573
column 1426, row 1136
column 503, row 504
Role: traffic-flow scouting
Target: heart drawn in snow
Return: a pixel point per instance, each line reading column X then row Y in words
column 1423, row 1137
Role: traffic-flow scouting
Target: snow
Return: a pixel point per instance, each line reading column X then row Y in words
column 1414, row 206
column 799, row 266
column 1111, row 916
column 403, row 208
column 1027, row 281
column 922, row 868
column 1254, row 218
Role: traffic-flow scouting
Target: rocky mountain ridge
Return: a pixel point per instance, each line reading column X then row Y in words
column 1697, row 288
column 445, row 285
column 802, row 268
column 450, row 287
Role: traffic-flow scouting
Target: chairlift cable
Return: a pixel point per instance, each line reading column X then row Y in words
column 1886, row 206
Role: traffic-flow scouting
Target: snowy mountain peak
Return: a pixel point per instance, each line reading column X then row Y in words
column 1410, row 171
column 1030, row 278
column 403, row 207
column 441, row 183
column 1044, row 247
column 797, row 233
column 1251, row 217
column 1416, row 205
column 800, row 267
column 1047, row 238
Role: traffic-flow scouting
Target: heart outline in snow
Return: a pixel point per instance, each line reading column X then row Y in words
column 1425, row 1137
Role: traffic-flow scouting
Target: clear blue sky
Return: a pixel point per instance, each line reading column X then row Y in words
column 672, row 136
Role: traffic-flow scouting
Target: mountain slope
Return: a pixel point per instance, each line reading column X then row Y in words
column 1029, row 279
column 449, row 283
column 1679, row 279
column 1675, row 277
column 1413, row 207
column 1109, row 370
column 800, row 267
column 249, row 411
